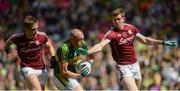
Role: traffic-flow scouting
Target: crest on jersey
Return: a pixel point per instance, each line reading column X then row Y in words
column 129, row 31
column 37, row 42
column 119, row 35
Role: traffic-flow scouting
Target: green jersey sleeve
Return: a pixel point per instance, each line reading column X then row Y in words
column 84, row 45
column 62, row 53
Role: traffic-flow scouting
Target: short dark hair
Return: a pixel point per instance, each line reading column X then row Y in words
column 29, row 21
column 118, row 11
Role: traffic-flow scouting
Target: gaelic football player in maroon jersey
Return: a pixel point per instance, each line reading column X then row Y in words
column 121, row 37
column 30, row 44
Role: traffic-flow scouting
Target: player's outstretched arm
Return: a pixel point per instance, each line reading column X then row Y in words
column 96, row 48
column 151, row 41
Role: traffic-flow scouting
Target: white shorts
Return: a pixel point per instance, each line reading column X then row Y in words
column 71, row 85
column 42, row 74
column 132, row 70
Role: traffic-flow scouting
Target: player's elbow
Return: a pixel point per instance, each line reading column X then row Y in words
column 145, row 41
column 148, row 41
column 64, row 73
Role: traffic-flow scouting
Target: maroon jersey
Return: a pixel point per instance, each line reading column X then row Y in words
column 30, row 50
column 122, row 44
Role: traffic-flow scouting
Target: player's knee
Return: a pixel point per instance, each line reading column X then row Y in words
column 129, row 83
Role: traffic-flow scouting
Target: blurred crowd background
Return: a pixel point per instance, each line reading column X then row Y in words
column 160, row 19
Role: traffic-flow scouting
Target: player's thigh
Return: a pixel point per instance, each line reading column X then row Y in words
column 138, row 83
column 42, row 76
column 132, row 70
column 31, row 78
column 137, row 74
column 78, row 88
column 129, row 83
column 124, row 71
column 126, row 76
column 33, row 81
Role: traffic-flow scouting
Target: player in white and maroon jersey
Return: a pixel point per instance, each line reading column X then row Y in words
column 121, row 37
column 29, row 47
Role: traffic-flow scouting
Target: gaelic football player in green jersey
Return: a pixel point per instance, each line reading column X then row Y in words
column 66, row 59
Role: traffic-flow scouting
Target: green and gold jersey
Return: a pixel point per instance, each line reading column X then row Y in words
column 66, row 53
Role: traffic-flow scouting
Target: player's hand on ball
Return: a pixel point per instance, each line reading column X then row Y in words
column 82, row 51
column 86, row 68
column 85, row 72
column 170, row 43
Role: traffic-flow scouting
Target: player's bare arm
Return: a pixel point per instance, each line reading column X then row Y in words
column 50, row 47
column 147, row 40
column 151, row 41
column 8, row 44
column 99, row 46
column 66, row 73
column 52, row 53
